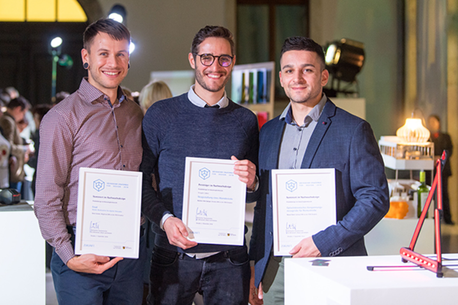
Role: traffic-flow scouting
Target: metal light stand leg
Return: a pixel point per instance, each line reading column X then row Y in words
column 408, row 254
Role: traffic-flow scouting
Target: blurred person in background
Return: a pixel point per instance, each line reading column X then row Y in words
column 442, row 141
column 153, row 92
column 15, row 112
column 4, row 162
column 39, row 112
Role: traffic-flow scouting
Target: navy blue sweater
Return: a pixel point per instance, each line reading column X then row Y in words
column 174, row 129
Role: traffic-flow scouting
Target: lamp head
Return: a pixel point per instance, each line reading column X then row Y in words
column 345, row 59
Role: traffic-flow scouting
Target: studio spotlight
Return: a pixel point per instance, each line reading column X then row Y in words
column 55, row 46
column 56, row 42
column 118, row 13
column 55, row 50
column 131, row 47
column 344, row 60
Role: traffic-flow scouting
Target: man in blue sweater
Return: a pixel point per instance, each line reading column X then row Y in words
column 200, row 123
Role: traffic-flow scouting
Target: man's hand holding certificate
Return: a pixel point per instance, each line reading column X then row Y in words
column 108, row 216
column 213, row 202
column 304, row 203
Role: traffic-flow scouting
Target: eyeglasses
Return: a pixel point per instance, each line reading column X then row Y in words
column 209, row 59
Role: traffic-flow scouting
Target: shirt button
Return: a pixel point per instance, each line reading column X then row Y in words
column 122, row 146
column 123, row 165
column 294, row 148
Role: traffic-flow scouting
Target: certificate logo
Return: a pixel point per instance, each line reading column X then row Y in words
column 204, row 173
column 98, row 185
column 291, row 185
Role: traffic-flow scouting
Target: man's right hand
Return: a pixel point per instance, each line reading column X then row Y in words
column 256, row 294
column 90, row 263
column 176, row 233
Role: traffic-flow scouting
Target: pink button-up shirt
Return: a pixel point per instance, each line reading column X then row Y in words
column 84, row 130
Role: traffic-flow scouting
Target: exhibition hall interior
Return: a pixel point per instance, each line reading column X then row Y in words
column 393, row 63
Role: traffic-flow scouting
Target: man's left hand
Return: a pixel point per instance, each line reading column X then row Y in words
column 305, row 248
column 246, row 171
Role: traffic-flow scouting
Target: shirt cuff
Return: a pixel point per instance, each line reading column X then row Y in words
column 255, row 187
column 66, row 252
column 164, row 218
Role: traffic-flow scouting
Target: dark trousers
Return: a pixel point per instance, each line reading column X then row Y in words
column 222, row 278
column 446, row 200
column 122, row 284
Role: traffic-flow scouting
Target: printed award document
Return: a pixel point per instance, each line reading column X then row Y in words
column 213, row 202
column 108, row 216
column 304, row 203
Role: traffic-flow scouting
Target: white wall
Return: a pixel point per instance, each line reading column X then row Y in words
column 374, row 23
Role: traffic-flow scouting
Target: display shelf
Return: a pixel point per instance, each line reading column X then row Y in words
column 405, row 164
column 253, row 87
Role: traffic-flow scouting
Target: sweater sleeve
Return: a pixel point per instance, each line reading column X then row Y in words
column 152, row 207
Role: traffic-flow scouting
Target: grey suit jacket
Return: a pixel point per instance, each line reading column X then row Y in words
column 341, row 141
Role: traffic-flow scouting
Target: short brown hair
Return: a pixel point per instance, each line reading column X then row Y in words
column 113, row 28
column 212, row 31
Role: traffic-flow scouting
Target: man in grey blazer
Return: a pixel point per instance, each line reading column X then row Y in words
column 313, row 133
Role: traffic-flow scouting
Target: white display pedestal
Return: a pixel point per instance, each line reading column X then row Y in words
column 389, row 235
column 346, row 281
column 22, row 257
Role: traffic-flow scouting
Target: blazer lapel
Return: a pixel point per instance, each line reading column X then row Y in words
column 275, row 144
column 324, row 122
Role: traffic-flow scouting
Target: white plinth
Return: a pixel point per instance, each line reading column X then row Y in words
column 346, row 281
column 22, row 257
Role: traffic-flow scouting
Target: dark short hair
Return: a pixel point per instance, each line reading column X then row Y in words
column 40, row 110
column 299, row 43
column 113, row 28
column 435, row 116
column 18, row 102
column 212, row 31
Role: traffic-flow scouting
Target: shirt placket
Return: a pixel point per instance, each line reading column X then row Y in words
column 118, row 138
column 297, row 144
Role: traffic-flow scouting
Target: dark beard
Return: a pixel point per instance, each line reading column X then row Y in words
column 201, row 82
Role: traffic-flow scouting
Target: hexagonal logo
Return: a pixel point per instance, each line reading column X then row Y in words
column 204, row 173
column 98, row 185
column 291, row 185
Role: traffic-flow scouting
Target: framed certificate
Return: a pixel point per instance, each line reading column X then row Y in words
column 213, row 202
column 108, row 215
column 304, row 203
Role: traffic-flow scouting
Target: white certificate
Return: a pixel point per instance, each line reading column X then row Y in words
column 304, row 203
column 108, row 215
column 213, row 202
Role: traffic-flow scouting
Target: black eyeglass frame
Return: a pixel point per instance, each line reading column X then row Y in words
column 214, row 56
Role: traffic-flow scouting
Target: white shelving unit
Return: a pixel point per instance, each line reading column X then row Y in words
column 402, row 156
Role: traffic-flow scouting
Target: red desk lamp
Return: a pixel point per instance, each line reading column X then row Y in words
column 408, row 254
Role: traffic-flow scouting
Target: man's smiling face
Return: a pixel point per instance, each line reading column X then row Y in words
column 108, row 61
column 215, row 77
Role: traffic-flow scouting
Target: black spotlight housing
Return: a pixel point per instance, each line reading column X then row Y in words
column 344, row 60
